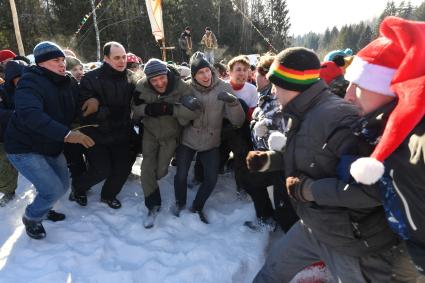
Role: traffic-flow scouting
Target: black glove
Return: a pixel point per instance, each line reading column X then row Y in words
column 226, row 97
column 255, row 160
column 159, row 109
column 191, row 102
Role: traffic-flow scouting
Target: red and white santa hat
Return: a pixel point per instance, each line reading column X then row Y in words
column 393, row 64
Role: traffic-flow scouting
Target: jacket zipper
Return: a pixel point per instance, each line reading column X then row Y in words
column 405, row 204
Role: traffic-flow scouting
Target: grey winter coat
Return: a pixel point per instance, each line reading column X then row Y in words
column 204, row 133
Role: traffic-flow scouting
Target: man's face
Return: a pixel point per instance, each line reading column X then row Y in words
column 117, row 58
column 77, row 72
column 187, row 30
column 261, row 81
column 284, row 96
column 159, row 83
column 367, row 101
column 204, row 77
column 56, row 65
column 239, row 73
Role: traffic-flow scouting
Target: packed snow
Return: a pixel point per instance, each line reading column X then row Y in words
column 99, row 244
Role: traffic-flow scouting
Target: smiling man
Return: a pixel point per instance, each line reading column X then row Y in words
column 165, row 104
column 106, row 93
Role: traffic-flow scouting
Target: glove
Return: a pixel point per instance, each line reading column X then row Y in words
column 90, row 106
column 191, row 102
column 260, row 128
column 299, row 188
column 276, row 141
column 226, row 97
column 159, row 109
column 79, row 137
column 256, row 160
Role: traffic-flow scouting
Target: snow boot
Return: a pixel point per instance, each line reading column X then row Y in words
column 112, row 203
column 55, row 216
column 7, row 197
column 262, row 224
column 150, row 218
column 80, row 198
column 201, row 214
column 176, row 209
column 34, row 228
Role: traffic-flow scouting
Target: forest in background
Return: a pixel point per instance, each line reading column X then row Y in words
column 241, row 26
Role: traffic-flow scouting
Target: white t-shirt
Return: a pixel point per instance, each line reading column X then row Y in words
column 248, row 94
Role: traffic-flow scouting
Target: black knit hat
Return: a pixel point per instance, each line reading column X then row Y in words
column 295, row 68
column 197, row 62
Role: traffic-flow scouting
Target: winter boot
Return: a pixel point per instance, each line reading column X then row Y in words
column 112, row 203
column 34, row 228
column 55, row 216
column 80, row 198
column 176, row 209
column 7, row 197
column 150, row 218
column 262, row 224
column 201, row 214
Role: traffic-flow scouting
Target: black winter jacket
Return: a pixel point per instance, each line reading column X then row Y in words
column 114, row 91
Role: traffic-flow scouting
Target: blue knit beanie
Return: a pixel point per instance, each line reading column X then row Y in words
column 47, row 50
column 155, row 67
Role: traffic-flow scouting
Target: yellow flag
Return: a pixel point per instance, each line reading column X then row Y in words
column 155, row 17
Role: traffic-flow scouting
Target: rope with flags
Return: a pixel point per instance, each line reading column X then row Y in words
column 86, row 17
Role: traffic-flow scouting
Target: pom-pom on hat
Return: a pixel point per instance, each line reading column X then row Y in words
column 392, row 65
column 295, row 68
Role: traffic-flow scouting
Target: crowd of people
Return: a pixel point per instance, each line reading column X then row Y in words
column 341, row 142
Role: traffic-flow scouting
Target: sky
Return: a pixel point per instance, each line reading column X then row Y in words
column 316, row 16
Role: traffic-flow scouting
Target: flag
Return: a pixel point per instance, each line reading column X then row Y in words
column 155, row 17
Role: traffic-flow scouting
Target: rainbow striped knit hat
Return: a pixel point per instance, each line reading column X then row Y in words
column 295, row 68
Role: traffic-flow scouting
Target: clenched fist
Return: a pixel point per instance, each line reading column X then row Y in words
column 90, row 106
column 256, row 160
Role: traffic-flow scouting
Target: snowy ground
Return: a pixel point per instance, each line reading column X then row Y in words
column 99, row 244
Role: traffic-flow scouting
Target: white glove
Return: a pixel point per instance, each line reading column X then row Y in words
column 260, row 128
column 277, row 141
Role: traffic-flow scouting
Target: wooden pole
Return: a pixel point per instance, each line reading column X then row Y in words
column 96, row 30
column 164, row 51
column 16, row 27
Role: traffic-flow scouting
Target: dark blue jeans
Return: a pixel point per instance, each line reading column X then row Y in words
column 210, row 160
column 48, row 174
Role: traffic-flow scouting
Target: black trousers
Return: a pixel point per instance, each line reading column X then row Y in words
column 74, row 154
column 256, row 183
column 110, row 162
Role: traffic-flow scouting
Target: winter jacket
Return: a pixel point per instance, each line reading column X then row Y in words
column 269, row 112
column 163, row 127
column 7, row 93
column 114, row 91
column 45, row 106
column 349, row 218
column 204, row 133
column 209, row 41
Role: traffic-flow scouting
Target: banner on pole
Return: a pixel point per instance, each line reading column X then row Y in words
column 155, row 17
